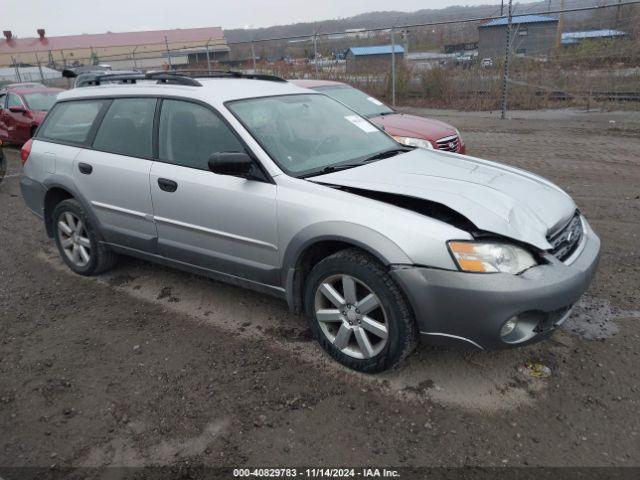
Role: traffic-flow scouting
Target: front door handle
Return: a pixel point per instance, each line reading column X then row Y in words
column 167, row 185
column 85, row 168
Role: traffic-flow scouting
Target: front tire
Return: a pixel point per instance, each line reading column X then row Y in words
column 77, row 242
column 357, row 312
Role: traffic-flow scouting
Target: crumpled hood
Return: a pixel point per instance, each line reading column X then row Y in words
column 496, row 198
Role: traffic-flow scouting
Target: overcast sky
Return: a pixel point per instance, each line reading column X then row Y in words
column 69, row 17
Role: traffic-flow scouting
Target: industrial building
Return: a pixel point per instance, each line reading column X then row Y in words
column 372, row 59
column 531, row 35
column 575, row 38
column 125, row 49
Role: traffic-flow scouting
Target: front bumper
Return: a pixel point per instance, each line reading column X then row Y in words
column 472, row 308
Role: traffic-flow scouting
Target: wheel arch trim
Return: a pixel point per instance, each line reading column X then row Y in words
column 63, row 183
column 360, row 236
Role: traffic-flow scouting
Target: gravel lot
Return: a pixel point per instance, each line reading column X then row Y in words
column 147, row 365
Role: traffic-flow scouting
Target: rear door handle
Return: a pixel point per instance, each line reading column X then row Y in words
column 85, row 168
column 167, row 185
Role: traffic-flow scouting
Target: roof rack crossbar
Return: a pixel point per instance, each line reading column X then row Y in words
column 179, row 77
column 169, row 77
column 98, row 78
column 226, row 73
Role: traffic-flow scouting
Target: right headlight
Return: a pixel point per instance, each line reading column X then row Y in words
column 491, row 257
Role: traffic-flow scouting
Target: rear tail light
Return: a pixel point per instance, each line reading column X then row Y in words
column 25, row 152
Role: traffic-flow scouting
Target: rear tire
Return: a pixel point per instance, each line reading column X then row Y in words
column 357, row 312
column 77, row 241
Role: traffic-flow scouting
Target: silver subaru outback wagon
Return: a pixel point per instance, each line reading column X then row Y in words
column 257, row 182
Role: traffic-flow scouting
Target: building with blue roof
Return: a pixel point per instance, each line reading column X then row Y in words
column 574, row 38
column 531, row 35
column 519, row 20
column 373, row 58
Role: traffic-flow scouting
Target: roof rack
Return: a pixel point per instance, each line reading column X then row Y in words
column 94, row 79
column 225, row 73
column 182, row 77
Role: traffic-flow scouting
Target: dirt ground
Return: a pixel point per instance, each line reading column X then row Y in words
column 150, row 366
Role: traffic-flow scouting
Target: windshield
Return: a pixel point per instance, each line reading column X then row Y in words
column 359, row 101
column 307, row 133
column 40, row 100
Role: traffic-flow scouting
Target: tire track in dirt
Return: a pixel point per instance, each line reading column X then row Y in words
column 473, row 380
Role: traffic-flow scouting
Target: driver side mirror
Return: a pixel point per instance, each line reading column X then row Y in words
column 237, row 164
column 16, row 109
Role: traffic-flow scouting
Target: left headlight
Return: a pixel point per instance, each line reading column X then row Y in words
column 491, row 257
column 414, row 142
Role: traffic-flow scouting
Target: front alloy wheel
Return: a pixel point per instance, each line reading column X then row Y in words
column 351, row 316
column 358, row 313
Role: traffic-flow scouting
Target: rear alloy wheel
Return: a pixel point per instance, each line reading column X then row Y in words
column 77, row 241
column 357, row 312
column 74, row 239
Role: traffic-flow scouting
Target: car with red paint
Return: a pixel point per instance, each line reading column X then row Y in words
column 22, row 109
column 407, row 129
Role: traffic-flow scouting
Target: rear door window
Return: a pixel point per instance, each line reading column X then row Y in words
column 127, row 128
column 71, row 122
column 190, row 133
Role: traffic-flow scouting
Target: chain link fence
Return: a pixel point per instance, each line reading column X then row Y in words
column 445, row 64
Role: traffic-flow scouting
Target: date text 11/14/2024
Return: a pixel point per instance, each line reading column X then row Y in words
column 316, row 472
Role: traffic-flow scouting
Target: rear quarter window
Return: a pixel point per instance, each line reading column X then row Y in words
column 71, row 122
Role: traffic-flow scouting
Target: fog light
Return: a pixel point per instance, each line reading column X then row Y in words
column 509, row 326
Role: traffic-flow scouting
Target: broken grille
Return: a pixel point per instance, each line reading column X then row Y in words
column 565, row 241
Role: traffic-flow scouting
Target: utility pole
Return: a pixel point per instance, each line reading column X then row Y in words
column 618, row 13
column 133, row 57
column 502, row 8
column 507, row 58
column 560, row 26
column 315, row 48
column 166, row 43
column 393, row 67
column 208, row 60
column 405, row 38
column 549, row 7
column 39, row 68
column 17, row 69
column 253, row 56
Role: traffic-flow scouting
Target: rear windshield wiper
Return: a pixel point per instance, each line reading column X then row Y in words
column 387, row 153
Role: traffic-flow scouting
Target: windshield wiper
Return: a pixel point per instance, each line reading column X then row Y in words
column 336, row 168
column 386, row 154
column 331, row 169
